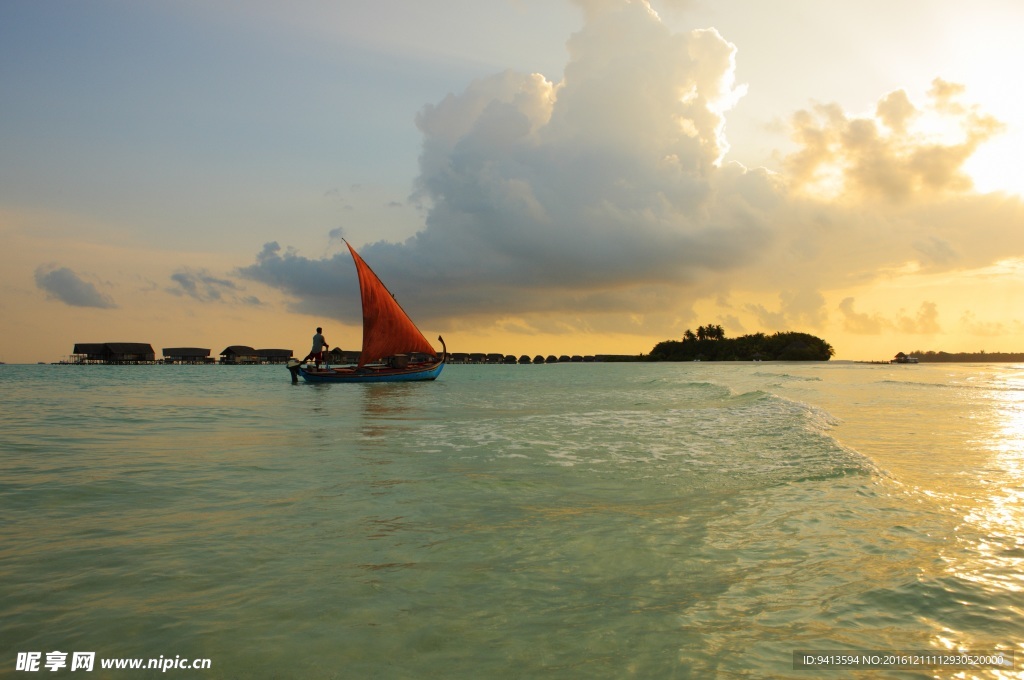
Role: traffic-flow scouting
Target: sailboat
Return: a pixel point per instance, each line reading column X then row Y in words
column 390, row 338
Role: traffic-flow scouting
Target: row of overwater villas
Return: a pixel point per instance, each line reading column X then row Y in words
column 480, row 358
column 143, row 353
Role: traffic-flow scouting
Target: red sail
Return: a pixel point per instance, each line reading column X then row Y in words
column 387, row 329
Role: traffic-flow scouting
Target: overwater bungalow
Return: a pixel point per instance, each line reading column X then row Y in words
column 239, row 354
column 187, row 355
column 274, row 356
column 113, row 353
column 344, row 356
column 902, row 358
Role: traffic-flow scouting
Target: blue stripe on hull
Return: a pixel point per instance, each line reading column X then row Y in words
column 430, row 373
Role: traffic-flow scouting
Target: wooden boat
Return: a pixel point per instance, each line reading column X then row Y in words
column 390, row 341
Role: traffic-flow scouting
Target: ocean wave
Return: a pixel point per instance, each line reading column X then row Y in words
column 699, row 435
column 987, row 386
column 787, row 376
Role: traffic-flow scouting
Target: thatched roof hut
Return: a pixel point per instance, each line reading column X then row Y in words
column 239, row 354
column 274, row 356
column 114, row 352
column 186, row 355
column 344, row 356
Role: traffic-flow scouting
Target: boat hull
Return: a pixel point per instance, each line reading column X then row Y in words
column 369, row 374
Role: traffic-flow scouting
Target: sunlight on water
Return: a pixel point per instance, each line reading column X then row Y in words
column 990, row 550
column 1001, row 518
column 950, row 440
column 598, row 521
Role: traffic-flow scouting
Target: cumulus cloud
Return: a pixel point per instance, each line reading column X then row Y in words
column 61, row 283
column 607, row 194
column 971, row 324
column 203, row 286
column 766, row 318
column 315, row 284
column 884, row 156
column 550, row 196
column 858, row 322
column 924, row 322
column 896, row 111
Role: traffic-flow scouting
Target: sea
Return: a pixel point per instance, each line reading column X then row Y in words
column 596, row 520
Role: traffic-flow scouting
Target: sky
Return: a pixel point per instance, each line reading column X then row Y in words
column 526, row 176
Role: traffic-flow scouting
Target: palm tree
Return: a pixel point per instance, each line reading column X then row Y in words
column 688, row 336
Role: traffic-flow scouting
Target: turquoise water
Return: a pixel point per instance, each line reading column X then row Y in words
column 553, row 521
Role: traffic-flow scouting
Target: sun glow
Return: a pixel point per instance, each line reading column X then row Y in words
column 982, row 50
column 997, row 166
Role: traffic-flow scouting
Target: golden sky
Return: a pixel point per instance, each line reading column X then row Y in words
column 528, row 177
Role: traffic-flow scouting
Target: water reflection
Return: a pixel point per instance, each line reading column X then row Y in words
column 386, row 409
column 377, row 411
column 998, row 518
column 989, row 547
column 385, row 400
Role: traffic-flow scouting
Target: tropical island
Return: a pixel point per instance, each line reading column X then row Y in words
column 710, row 344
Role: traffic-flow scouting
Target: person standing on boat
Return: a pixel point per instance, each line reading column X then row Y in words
column 319, row 345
